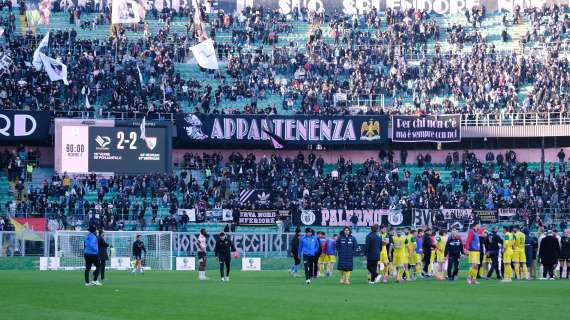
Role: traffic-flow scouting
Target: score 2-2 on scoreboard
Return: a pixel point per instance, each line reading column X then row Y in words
column 112, row 146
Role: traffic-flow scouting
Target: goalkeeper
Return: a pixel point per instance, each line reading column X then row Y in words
column 138, row 249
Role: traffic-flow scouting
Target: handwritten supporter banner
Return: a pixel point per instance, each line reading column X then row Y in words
column 486, row 216
column 295, row 130
column 444, row 128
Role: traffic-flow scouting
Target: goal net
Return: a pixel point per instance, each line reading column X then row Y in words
column 69, row 248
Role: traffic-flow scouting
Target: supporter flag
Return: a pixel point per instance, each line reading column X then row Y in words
column 55, row 69
column 38, row 12
column 127, row 11
column 86, row 91
column 1, row 31
column 205, row 54
column 276, row 141
column 37, row 61
column 143, row 128
column 198, row 24
column 140, row 76
column 5, row 62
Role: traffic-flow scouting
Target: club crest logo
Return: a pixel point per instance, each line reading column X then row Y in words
column 308, row 217
column 370, row 130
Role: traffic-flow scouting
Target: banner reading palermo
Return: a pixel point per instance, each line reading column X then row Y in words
column 444, row 128
column 293, row 130
column 366, row 217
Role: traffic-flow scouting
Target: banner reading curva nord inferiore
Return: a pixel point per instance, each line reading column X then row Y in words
column 298, row 130
column 444, row 128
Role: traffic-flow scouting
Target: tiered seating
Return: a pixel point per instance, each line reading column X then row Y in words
column 491, row 28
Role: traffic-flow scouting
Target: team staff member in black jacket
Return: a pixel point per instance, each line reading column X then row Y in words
column 453, row 250
column 103, row 256
column 427, row 245
column 493, row 243
column 372, row 253
column 224, row 248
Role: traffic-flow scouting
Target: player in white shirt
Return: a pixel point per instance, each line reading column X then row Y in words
column 202, row 249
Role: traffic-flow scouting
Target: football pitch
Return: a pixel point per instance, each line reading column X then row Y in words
column 271, row 295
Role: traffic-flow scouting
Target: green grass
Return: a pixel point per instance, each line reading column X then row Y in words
column 270, row 295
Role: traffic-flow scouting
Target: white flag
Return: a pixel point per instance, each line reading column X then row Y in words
column 140, row 75
column 143, row 128
column 5, row 62
column 37, row 61
column 1, row 31
column 205, row 54
column 127, row 11
column 56, row 70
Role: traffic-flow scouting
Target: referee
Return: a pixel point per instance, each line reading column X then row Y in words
column 91, row 255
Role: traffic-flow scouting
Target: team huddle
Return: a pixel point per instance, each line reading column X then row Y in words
column 404, row 254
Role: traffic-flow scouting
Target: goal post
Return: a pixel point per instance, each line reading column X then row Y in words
column 69, row 247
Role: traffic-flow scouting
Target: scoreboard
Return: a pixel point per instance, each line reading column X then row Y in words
column 112, row 146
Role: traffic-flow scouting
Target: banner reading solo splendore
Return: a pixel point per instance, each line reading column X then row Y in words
column 298, row 130
column 444, row 128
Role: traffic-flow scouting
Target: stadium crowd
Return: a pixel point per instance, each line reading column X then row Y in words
column 360, row 58
column 208, row 181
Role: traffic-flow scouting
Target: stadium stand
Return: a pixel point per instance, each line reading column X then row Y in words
column 312, row 63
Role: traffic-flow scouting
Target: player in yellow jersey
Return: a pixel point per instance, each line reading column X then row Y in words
column 519, row 256
column 398, row 252
column 384, row 261
column 412, row 255
column 440, row 241
column 507, row 255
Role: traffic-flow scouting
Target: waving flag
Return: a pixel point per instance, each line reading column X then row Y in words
column 205, row 54
column 37, row 61
column 127, row 11
column 55, row 69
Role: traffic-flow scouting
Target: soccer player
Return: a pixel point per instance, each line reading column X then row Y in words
column 331, row 254
column 384, row 260
column 440, row 241
column 103, row 256
column 308, row 248
column 346, row 246
column 138, row 249
column 507, row 255
column 420, row 252
column 398, row 252
column 519, row 255
column 91, row 255
column 427, row 246
column 472, row 245
column 323, row 258
column 412, row 255
column 224, row 248
column 294, row 271
column 202, row 250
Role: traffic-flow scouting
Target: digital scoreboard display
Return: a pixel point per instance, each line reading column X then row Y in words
column 112, row 147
